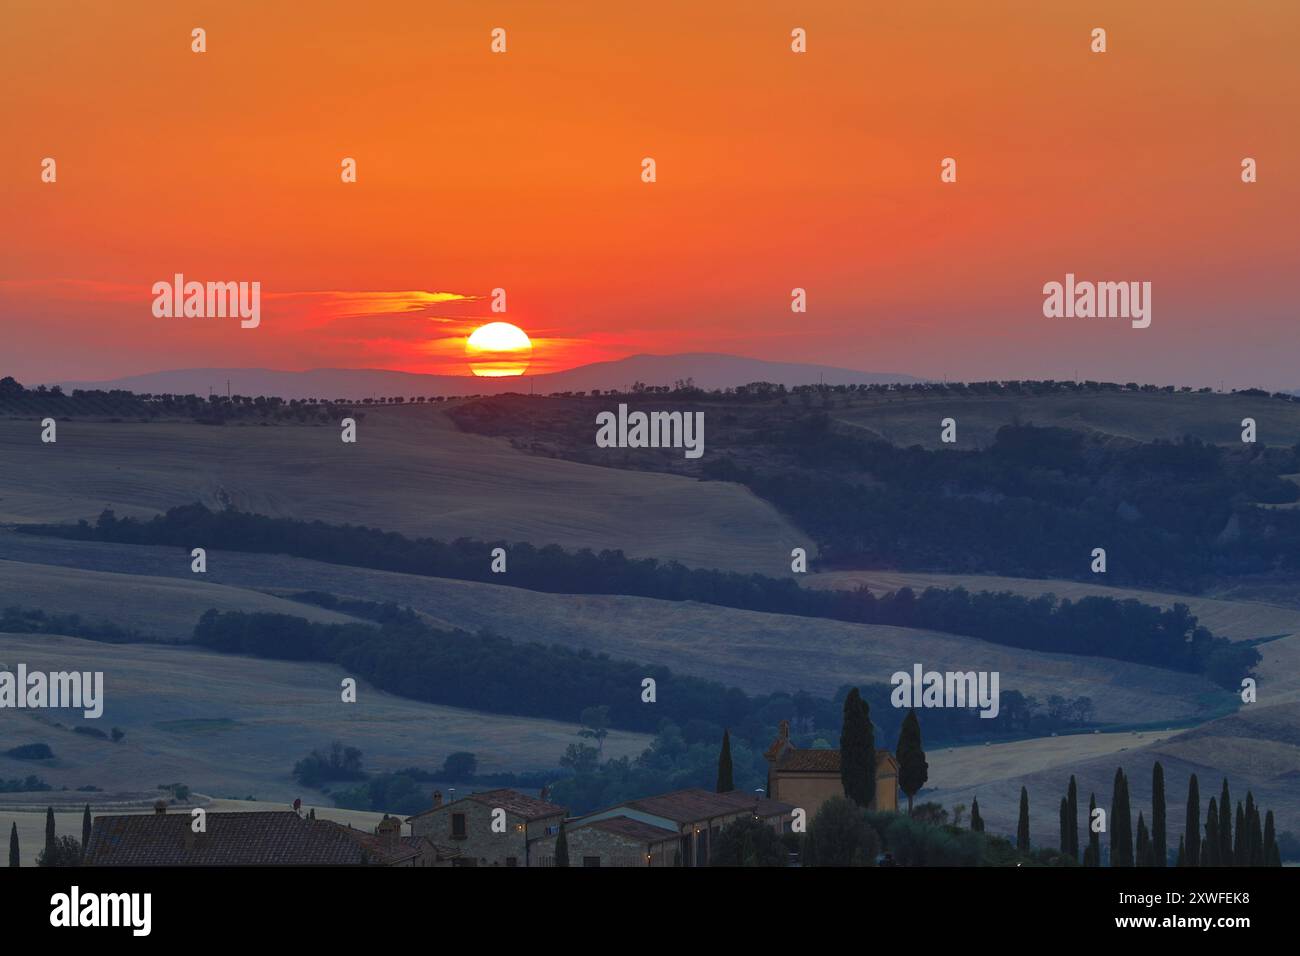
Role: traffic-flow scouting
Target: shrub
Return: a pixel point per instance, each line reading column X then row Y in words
column 31, row 752
column 840, row 835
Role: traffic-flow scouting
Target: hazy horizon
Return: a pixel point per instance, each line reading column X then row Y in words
column 775, row 172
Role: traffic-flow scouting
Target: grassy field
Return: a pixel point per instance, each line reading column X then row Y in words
column 158, row 607
column 234, row 726
column 411, row 470
column 751, row 650
column 914, row 420
column 1235, row 620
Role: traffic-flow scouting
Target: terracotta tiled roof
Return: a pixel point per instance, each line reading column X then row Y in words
column 690, row 806
column 383, row 852
column 264, row 838
column 519, row 804
column 512, row 801
column 823, row 761
column 636, row 830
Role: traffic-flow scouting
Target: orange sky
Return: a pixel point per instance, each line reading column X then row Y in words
column 775, row 170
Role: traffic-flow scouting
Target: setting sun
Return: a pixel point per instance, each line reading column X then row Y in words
column 498, row 349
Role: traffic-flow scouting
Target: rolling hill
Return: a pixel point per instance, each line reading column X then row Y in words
column 230, row 725
column 411, row 470
column 754, row 651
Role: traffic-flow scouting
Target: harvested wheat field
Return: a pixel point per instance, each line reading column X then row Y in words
column 234, row 726
column 411, row 471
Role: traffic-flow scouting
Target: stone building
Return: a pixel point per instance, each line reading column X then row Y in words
column 522, row 834
column 671, row 829
column 622, row 841
column 808, row 778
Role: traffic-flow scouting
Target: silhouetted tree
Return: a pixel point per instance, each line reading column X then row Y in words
column 857, row 751
column 1092, row 855
column 1210, row 849
column 85, row 829
column 1022, row 825
column 1254, row 833
column 976, row 821
column 1192, row 829
column 725, row 782
column 14, row 859
column 1272, row 855
column 1225, row 826
column 1072, row 811
column 1065, row 820
column 1143, row 849
column 1240, row 848
column 1121, row 826
column 51, row 840
column 913, row 771
column 1159, row 848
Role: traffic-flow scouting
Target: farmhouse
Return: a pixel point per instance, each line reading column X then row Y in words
column 808, row 778
column 671, row 829
column 494, row 828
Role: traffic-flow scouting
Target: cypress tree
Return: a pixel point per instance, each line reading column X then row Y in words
column 1094, row 838
column 1193, row 824
column 976, row 821
column 1255, row 847
column 1065, row 826
column 725, row 784
column 85, row 831
column 1272, row 855
column 1159, row 848
column 1143, row 851
column 1182, row 852
column 1072, row 812
column 562, row 848
column 858, row 751
column 1121, row 826
column 50, row 839
column 913, row 771
column 1225, row 826
column 14, row 859
column 1022, row 826
column 1239, row 847
column 1210, row 851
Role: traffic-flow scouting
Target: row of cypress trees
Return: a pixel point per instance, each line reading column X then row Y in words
column 1249, row 840
column 57, row 853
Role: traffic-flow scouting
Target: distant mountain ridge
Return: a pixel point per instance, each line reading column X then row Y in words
column 704, row 369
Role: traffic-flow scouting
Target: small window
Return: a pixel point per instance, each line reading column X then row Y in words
column 591, row 861
column 458, row 826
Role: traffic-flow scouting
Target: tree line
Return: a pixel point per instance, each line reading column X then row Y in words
column 485, row 671
column 1034, row 504
column 1246, row 839
column 1094, row 626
